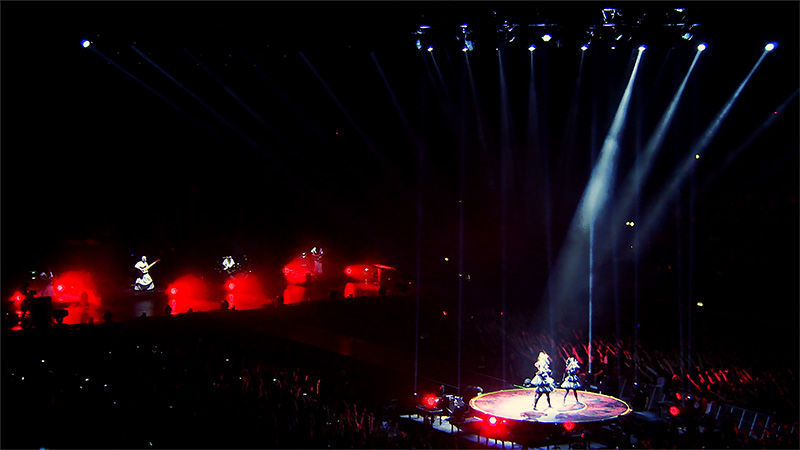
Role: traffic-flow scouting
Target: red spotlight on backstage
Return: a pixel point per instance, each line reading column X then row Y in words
column 430, row 401
column 674, row 410
column 569, row 426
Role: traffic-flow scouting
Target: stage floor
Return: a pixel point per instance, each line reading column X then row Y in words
column 517, row 405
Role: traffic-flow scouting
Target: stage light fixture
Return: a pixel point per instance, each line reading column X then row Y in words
column 569, row 426
column 674, row 410
column 430, row 48
column 419, row 45
column 701, row 47
column 584, row 47
column 688, row 36
column 771, row 46
column 492, row 421
column 532, row 48
column 546, row 37
column 642, row 48
column 86, row 43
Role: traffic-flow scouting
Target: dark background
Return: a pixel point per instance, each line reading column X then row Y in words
column 98, row 169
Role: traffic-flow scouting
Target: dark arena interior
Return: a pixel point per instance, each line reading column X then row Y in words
column 400, row 224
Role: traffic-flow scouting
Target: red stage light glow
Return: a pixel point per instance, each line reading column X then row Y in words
column 18, row 297
column 76, row 292
column 444, row 313
column 190, row 291
column 348, row 271
column 674, row 410
column 493, row 421
column 430, row 401
column 569, row 426
column 249, row 292
column 678, row 395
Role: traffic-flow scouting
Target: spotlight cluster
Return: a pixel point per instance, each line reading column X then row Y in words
column 605, row 27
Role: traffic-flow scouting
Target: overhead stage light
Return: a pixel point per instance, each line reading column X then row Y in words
column 701, row 47
column 642, row 48
column 771, row 46
column 546, row 37
column 430, row 48
column 86, row 43
column 532, row 48
column 419, row 45
column 584, row 47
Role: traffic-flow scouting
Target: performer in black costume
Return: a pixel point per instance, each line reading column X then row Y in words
column 571, row 379
column 543, row 381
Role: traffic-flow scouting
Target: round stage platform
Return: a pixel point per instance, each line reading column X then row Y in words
column 516, row 405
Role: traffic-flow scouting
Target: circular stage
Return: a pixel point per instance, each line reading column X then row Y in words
column 516, row 405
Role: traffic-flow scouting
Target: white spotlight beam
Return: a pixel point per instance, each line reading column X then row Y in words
column 645, row 163
column 595, row 195
column 571, row 262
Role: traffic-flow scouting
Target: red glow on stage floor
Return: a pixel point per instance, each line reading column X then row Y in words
column 76, row 292
column 245, row 292
column 190, row 292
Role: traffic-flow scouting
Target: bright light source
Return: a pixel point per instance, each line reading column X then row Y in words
column 699, row 303
column 231, row 286
column 569, row 426
column 687, row 36
column 446, row 258
column 532, row 48
column 701, row 47
column 697, row 156
column 86, row 43
column 464, row 49
column 424, row 27
column 173, row 291
column 419, row 45
column 430, row 48
column 547, row 37
column 674, row 410
column 492, row 421
column 584, row 47
column 642, row 48
column 771, row 46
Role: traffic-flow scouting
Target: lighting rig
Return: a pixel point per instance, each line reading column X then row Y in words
column 584, row 30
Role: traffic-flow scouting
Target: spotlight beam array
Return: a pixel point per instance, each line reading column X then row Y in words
column 689, row 161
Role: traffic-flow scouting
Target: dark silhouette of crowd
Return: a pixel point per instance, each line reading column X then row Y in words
column 107, row 386
column 150, row 384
